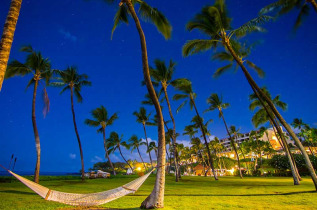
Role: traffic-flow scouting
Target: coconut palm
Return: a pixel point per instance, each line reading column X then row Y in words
column 190, row 131
column 163, row 75
column 114, row 142
column 281, row 7
column 185, row 86
column 215, row 103
column 71, row 80
column 101, row 118
column 147, row 13
column 261, row 117
column 7, row 36
column 152, row 146
column 214, row 22
column 135, row 143
column 40, row 69
column 144, row 118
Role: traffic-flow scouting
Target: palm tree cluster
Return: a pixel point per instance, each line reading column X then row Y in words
column 228, row 45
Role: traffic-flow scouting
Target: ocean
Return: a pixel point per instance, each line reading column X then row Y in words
column 30, row 173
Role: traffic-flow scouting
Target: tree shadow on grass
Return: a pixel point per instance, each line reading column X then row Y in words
column 237, row 195
column 17, row 192
column 246, row 195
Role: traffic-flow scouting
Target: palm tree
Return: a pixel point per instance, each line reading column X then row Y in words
column 185, row 86
column 135, row 143
column 7, row 36
column 214, row 22
column 144, row 118
column 163, row 75
column 261, row 117
column 281, row 7
column 152, row 146
column 40, row 68
column 71, row 80
column 126, row 8
column 115, row 142
column 298, row 123
column 215, row 103
column 235, row 132
column 101, row 118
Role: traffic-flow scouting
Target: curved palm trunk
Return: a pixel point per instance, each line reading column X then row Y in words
column 233, row 144
column 156, row 198
column 77, row 135
column 125, row 159
column 174, row 133
column 147, row 144
column 206, row 142
column 141, row 158
column 7, row 36
column 257, row 90
column 106, row 150
column 36, row 135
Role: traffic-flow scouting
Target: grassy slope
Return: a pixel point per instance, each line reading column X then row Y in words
column 189, row 193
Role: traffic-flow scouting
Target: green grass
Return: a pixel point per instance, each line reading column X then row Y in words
column 189, row 193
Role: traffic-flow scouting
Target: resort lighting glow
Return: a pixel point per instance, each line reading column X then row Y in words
column 231, row 170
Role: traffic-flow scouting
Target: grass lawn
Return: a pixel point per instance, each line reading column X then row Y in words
column 189, row 193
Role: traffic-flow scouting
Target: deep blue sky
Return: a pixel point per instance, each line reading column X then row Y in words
column 77, row 33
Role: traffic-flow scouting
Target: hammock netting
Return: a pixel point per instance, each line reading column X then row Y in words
column 90, row 199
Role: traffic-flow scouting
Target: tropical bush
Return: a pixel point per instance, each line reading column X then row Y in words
column 280, row 162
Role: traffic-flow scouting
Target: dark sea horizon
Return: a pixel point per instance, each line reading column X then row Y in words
column 44, row 173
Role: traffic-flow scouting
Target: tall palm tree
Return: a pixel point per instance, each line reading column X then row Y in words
column 40, row 68
column 281, row 7
column 185, row 86
column 215, row 103
column 71, row 80
column 144, row 118
column 135, row 143
column 163, row 75
column 7, row 36
column 101, row 118
column 152, row 146
column 127, row 8
column 214, row 22
column 261, row 117
column 115, row 142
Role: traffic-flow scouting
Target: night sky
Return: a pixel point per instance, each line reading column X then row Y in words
column 77, row 32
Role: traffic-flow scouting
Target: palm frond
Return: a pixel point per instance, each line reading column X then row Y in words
column 16, row 68
column 120, row 17
column 222, row 70
column 252, row 26
column 181, row 106
column 154, row 16
column 257, row 69
column 46, row 100
column 197, row 45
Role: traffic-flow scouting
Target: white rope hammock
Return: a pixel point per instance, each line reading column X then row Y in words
column 90, row 199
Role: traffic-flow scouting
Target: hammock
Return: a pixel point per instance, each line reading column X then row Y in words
column 90, row 199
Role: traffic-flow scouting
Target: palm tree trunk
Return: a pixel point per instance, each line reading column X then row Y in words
column 313, row 3
column 125, row 159
column 233, row 144
column 206, row 142
column 156, row 198
column 147, row 144
column 257, row 90
column 106, row 150
column 36, row 134
column 77, row 134
column 174, row 133
column 7, row 36
column 145, row 168
column 288, row 154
